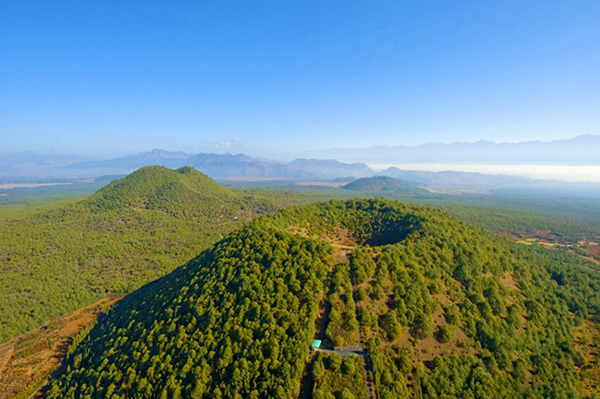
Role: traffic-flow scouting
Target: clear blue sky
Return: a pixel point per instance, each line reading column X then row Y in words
column 102, row 77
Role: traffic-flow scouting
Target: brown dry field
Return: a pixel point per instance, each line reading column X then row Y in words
column 27, row 361
column 587, row 342
column 593, row 248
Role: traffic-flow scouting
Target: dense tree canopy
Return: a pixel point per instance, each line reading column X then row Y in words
column 235, row 322
column 447, row 310
column 131, row 232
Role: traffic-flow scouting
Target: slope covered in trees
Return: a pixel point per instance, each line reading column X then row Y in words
column 130, row 232
column 446, row 309
column 378, row 184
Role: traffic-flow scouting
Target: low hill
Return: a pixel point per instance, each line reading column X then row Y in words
column 159, row 188
column 377, row 184
column 130, row 232
column 430, row 306
column 346, row 179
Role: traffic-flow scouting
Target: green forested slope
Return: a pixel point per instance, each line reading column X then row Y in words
column 223, row 324
column 380, row 183
column 462, row 314
column 446, row 309
column 130, row 232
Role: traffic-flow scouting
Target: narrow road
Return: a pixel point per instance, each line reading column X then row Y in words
column 307, row 383
column 364, row 353
column 355, row 350
column 344, row 351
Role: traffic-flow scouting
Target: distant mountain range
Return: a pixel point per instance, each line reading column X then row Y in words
column 27, row 167
column 579, row 150
column 225, row 166
column 244, row 167
column 460, row 179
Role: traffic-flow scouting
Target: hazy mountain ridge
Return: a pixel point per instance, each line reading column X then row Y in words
column 332, row 167
column 135, row 161
column 577, row 151
column 28, row 163
column 227, row 166
column 13, row 167
column 458, row 179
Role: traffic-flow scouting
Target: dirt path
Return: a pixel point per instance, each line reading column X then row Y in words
column 27, row 361
column 353, row 350
column 364, row 353
column 344, row 351
column 340, row 255
column 307, row 384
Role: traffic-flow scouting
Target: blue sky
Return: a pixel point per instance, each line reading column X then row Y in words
column 110, row 78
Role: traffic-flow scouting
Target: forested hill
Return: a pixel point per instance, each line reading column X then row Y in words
column 444, row 308
column 130, row 232
column 379, row 183
column 156, row 187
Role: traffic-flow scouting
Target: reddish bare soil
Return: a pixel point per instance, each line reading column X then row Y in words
column 28, row 360
column 593, row 248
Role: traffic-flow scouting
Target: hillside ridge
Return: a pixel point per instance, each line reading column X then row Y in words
column 378, row 184
column 130, row 232
column 444, row 309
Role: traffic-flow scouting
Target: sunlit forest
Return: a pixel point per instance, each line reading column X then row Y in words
column 129, row 233
column 303, row 200
column 446, row 309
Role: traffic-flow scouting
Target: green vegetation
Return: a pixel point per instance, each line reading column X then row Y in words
column 342, row 329
column 59, row 256
column 235, row 322
column 502, row 211
column 587, row 361
column 470, row 315
column 447, row 309
column 337, row 377
column 129, row 233
column 571, row 219
column 379, row 184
